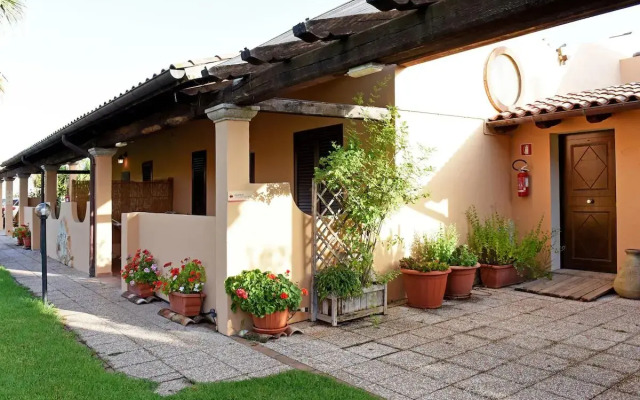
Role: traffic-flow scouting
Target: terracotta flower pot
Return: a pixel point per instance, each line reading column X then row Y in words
column 627, row 282
column 143, row 290
column 27, row 243
column 271, row 324
column 497, row 276
column 460, row 282
column 20, row 241
column 425, row 289
column 188, row 305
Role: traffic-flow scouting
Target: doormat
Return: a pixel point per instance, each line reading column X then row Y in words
column 184, row 320
column 264, row 338
column 134, row 298
column 572, row 284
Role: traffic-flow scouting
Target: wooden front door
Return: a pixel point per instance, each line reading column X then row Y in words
column 589, row 201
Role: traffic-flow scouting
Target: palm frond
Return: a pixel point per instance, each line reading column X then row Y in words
column 10, row 10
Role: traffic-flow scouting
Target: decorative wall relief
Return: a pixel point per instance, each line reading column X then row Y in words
column 63, row 244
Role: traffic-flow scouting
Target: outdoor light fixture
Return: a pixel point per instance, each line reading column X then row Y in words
column 121, row 158
column 121, row 144
column 364, row 70
column 43, row 210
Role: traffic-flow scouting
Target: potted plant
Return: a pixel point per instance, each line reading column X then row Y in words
column 464, row 265
column 19, row 233
column 27, row 238
column 269, row 298
column 504, row 257
column 184, row 286
column 141, row 273
column 424, row 281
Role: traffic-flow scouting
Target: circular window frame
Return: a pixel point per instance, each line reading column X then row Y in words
column 493, row 98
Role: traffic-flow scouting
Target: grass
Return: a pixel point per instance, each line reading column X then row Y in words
column 39, row 359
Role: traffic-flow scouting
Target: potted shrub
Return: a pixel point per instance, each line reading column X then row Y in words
column 18, row 234
column 464, row 265
column 370, row 176
column 184, row 286
column 269, row 298
column 27, row 238
column 505, row 258
column 141, row 273
column 424, row 281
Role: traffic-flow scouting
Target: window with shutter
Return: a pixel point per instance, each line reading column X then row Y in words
column 309, row 147
column 199, row 183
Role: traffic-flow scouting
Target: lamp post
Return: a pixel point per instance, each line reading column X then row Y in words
column 43, row 210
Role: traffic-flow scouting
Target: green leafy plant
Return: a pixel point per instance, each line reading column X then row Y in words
column 339, row 280
column 533, row 253
column 140, row 269
column 262, row 293
column 20, row 232
column 188, row 279
column 463, row 257
column 436, row 247
column 378, row 171
column 414, row 264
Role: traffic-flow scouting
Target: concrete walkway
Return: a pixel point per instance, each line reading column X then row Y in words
column 132, row 338
column 499, row 344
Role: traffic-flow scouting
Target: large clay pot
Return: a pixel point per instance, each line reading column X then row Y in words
column 497, row 276
column 425, row 289
column 460, row 282
column 188, row 305
column 627, row 282
column 271, row 324
column 27, row 242
column 20, row 241
column 143, row 290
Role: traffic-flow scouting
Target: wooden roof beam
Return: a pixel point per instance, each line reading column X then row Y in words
column 322, row 109
column 330, row 29
column 402, row 5
column 233, row 71
column 277, row 52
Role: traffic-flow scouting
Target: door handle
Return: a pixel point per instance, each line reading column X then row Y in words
column 590, row 201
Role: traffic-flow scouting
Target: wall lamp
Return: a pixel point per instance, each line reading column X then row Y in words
column 122, row 158
column 364, row 70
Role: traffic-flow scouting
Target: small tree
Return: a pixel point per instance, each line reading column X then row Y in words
column 377, row 171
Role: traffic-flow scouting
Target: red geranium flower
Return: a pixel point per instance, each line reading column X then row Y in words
column 175, row 271
column 283, row 295
column 198, row 275
column 305, row 292
column 192, row 273
column 271, row 276
column 167, row 265
column 288, row 272
column 192, row 279
column 242, row 293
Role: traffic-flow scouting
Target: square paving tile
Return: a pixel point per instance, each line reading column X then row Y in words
column 187, row 361
column 464, row 341
column 602, row 332
column 426, row 318
column 452, row 393
column 503, row 350
column 376, row 332
column 590, row 343
column 408, row 360
column 520, row 373
column 527, row 342
column 558, row 330
column 439, row 349
column 490, row 333
column 374, row 370
column 614, row 363
column 412, row 384
column 569, row 387
column 403, row 341
column 534, row 394
column 461, row 324
column 129, row 358
column 372, row 350
column 630, row 385
column 172, row 387
column 626, row 351
column 593, row 374
column 433, row 333
column 148, row 370
column 568, row 352
column 447, row 372
column 402, row 324
column 211, row 373
column 612, row 394
column 340, row 358
column 345, row 339
column 490, row 386
column 544, row 361
column 477, row 361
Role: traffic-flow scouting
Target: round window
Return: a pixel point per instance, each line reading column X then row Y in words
column 502, row 79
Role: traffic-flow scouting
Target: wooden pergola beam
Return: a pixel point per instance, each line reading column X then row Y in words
column 321, row 109
column 444, row 28
column 233, row 71
column 330, row 29
column 402, row 5
column 277, row 52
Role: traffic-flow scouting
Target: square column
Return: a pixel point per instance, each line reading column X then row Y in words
column 8, row 205
column 103, row 203
column 23, row 195
column 232, row 173
column 51, row 187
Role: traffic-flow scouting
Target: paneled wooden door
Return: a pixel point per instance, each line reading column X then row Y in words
column 589, row 201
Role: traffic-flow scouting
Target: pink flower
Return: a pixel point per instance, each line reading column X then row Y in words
column 242, row 293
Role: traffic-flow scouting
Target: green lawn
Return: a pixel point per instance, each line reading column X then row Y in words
column 39, row 359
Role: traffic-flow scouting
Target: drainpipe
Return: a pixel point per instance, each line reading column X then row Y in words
column 25, row 162
column 92, row 203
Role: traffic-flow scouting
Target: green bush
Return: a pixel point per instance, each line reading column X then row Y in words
column 422, row 266
column 463, row 257
column 339, row 280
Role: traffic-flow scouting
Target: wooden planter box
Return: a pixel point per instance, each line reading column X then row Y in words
column 335, row 309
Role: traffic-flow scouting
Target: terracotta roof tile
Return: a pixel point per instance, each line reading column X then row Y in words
column 626, row 93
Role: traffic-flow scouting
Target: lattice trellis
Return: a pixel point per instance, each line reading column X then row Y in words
column 328, row 223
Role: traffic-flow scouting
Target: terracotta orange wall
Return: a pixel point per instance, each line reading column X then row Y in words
column 527, row 211
column 170, row 150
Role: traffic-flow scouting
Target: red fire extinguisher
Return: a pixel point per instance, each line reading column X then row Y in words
column 523, row 177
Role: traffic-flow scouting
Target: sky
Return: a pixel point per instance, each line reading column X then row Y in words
column 68, row 56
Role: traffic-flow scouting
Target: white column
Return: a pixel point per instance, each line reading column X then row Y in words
column 23, row 195
column 102, row 197
column 8, row 207
column 232, row 173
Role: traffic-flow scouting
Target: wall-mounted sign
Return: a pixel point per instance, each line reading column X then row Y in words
column 525, row 149
column 240, row 196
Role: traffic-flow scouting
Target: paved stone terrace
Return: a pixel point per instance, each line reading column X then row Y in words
column 132, row 338
column 499, row 344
